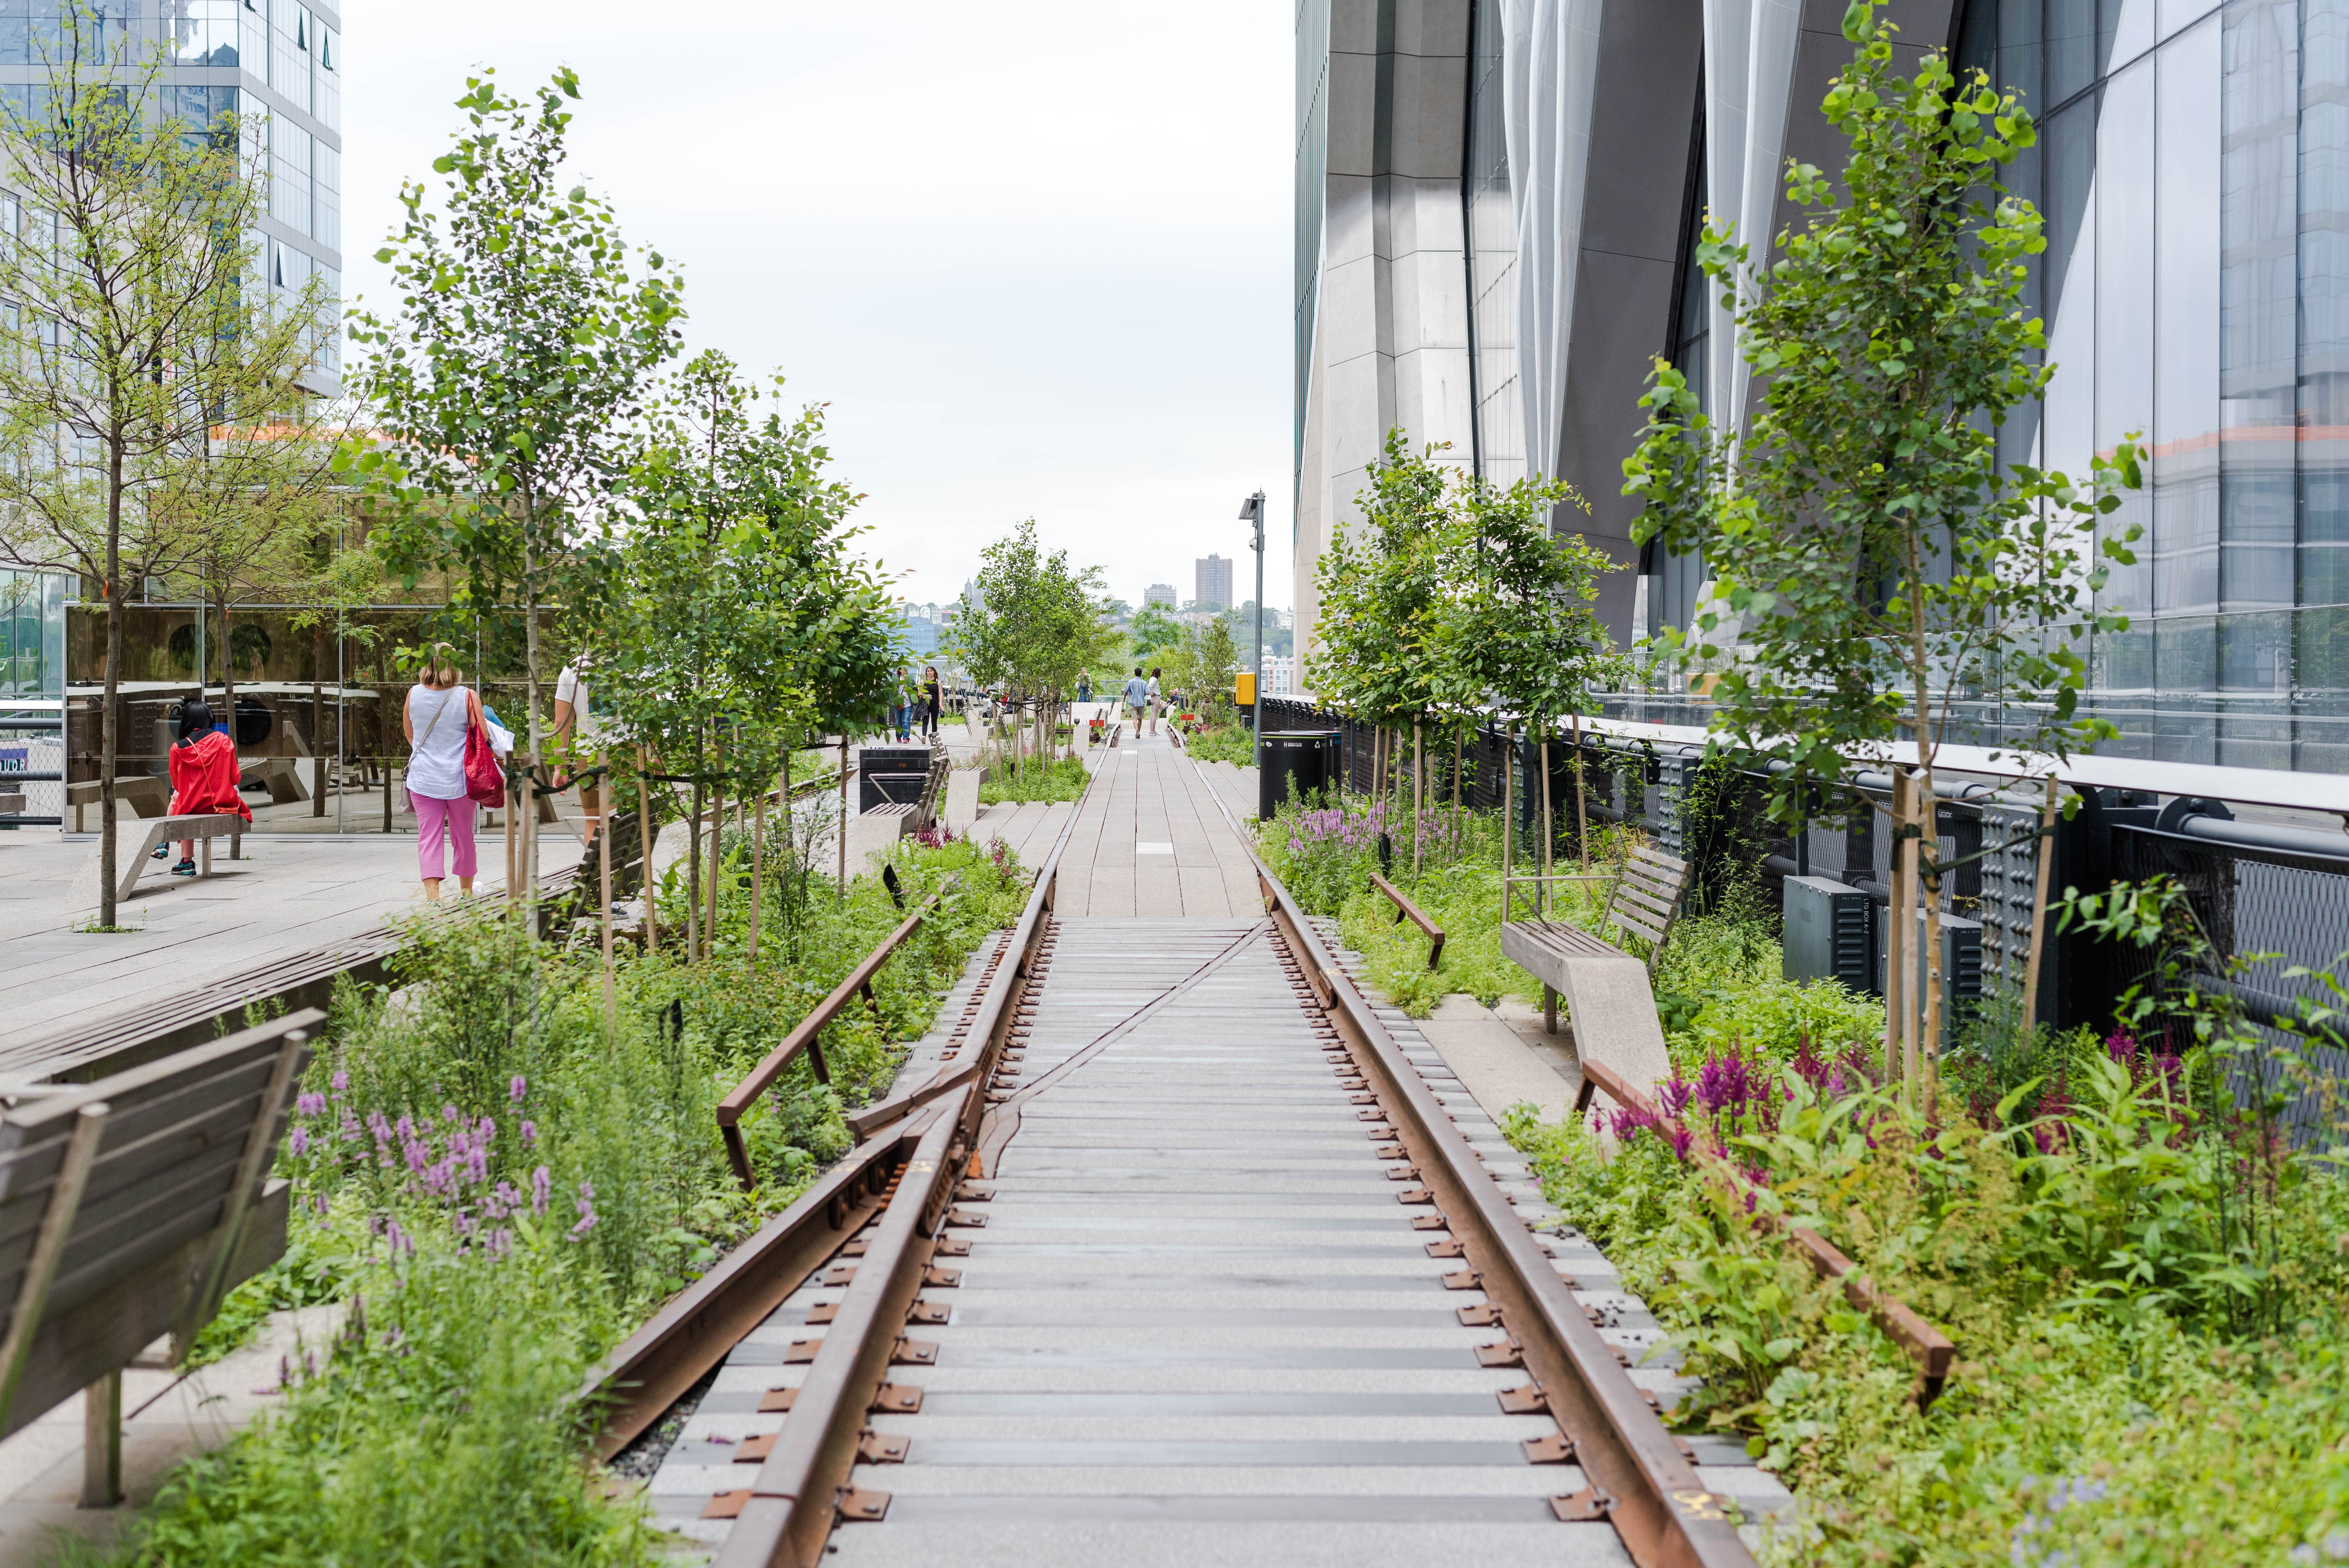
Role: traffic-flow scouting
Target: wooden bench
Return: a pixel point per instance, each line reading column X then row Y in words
column 143, row 792
column 283, row 779
column 1608, row 992
column 132, row 861
column 128, row 1207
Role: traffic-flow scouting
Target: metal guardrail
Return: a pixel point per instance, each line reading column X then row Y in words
column 805, row 1038
column 1406, row 910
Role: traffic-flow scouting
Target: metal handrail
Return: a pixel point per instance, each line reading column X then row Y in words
column 804, row 1038
column 1927, row 1346
column 1406, row 910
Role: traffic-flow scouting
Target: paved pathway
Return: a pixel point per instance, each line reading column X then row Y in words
column 286, row 895
column 1150, row 844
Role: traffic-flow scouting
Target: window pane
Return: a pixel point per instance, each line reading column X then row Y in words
column 2186, row 336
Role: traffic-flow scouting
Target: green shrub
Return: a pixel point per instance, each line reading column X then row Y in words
column 1062, row 779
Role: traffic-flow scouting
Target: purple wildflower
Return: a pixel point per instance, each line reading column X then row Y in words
column 519, row 1088
column 297, row 1142
column 542, row 1187
column 530, row 1129
column 342, row 1081
column 586, row 1211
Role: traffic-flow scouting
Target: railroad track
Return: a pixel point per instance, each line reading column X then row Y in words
column 1175, row 1258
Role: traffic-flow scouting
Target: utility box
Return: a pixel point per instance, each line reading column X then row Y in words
column 1962, row 964
column 1830, row 933
column 1243, row 689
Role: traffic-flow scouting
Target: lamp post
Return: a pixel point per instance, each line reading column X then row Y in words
column 1252, row 510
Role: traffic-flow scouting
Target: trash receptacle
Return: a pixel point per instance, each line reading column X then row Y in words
column 1310, row 757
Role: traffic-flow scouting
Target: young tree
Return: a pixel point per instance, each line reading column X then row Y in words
column 729, row 615
column 135, row 324
column 1883, row 563
column 1522, row 630
column 1035, row 623
column 1384, row 584
column 507, row 383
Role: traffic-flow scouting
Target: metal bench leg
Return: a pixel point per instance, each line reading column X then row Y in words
column 1549, row 1009
column 101, row 1441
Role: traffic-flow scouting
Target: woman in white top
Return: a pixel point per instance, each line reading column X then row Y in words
column 1156, row 700
column 440, row 712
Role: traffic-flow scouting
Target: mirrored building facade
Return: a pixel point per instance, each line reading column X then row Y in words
column 2195, row 288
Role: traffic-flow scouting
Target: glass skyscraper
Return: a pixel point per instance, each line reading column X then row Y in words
column 276, row 64
column 2193, row 166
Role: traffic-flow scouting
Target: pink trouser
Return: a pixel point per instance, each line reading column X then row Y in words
column 430, row 816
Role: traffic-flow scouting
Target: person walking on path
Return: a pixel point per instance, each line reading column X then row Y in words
column 1137, row 697
column 1084, row 689
column 203, row 778
column 1157, row 700
column 440, row 710
column 573, row 737
column 932, row 700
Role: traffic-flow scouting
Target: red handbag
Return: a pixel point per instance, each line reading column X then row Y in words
column 485, row 782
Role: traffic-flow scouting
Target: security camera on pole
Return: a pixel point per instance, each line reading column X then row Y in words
column 1252, row 510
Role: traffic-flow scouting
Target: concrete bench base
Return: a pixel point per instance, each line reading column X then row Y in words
column 160, row 831
column 1606, row 994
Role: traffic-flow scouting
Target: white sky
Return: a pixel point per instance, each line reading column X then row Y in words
column 1035, row 256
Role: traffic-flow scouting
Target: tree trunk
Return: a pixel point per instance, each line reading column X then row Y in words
column 1581, row 811
column 841, row 892
column 1549, row 839
column 759, row 856
column 1508, row 817
column 108, row 736
column 1418, row 792
column 1897, row 950
column 604, row 873
column 693, row 880
column 717, row 858
column 228, row 683
column 317, row 721
column 645, row 843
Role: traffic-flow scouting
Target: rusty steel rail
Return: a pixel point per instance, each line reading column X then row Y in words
column 804, row 1037
column 1639, row 1482
column 647, row 1372
column 788, row 1512
column 1406, row 910
column 1926, row 1346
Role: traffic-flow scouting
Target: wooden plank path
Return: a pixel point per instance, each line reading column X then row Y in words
column 1197, row 1325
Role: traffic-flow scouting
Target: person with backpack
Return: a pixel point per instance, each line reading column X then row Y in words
column 443, row 713
column 204, row 776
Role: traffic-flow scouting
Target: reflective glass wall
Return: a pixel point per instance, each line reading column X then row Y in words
column 1491, row 226
column 2193, row 165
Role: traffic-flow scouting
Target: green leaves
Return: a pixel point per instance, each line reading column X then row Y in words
column 1880, row 562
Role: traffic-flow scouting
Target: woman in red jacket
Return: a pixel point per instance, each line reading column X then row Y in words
column 204, row 776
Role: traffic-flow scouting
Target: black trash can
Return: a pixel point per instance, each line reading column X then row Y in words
column 1307, row 756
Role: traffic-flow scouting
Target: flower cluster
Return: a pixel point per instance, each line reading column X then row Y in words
column 451, row 1164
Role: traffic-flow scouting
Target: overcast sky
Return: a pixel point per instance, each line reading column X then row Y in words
column 1035, row 256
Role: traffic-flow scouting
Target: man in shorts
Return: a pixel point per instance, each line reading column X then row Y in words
column 1137, row 698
